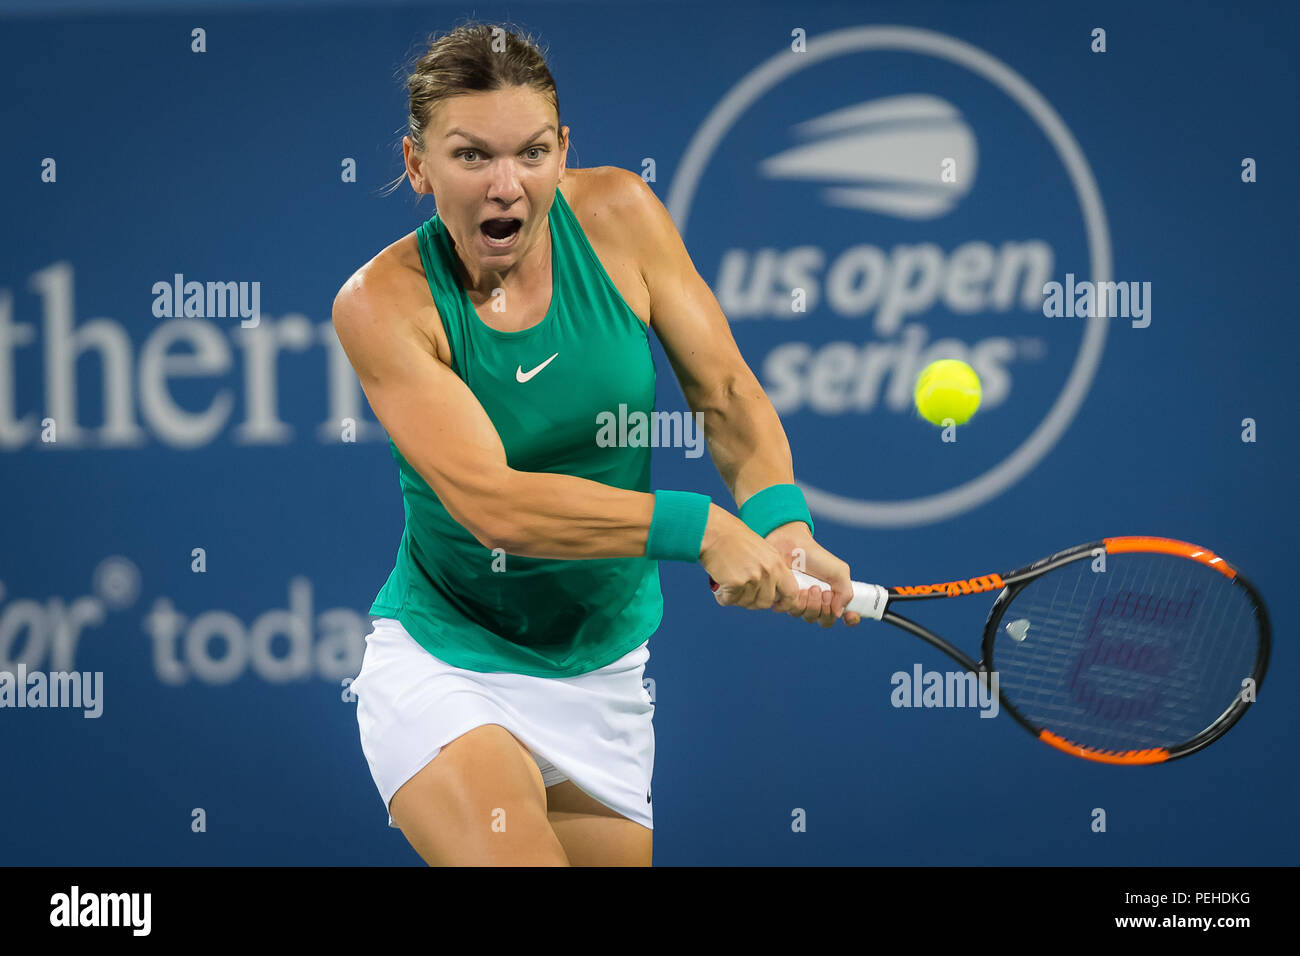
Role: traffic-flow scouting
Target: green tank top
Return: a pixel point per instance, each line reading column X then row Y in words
column 487, row 611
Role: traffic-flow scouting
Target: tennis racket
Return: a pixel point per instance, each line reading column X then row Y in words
column 1128, row 650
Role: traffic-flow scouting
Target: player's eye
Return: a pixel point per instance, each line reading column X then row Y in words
column 535, row 149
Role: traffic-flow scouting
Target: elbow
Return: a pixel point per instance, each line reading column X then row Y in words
column 727, row 395
column 497, row 533
column 492, row 517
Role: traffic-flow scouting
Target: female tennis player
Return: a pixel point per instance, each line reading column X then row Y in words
column 500, row 698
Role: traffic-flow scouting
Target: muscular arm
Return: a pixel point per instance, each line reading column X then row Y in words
column 744, row 434
column 439, row 426
column 743, row 431
column 745, row 437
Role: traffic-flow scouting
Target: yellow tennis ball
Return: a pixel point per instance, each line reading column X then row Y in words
column 947, row 388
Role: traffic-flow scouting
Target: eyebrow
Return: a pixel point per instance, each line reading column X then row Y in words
column 457, row 131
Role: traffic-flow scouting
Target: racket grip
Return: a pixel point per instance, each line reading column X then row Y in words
column 868, row 600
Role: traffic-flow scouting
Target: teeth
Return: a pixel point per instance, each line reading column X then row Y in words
column 516, row 225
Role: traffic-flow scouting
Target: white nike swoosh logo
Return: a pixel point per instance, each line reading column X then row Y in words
column 522, row 376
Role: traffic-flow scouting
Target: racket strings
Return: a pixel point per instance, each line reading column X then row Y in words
column 1147, row 653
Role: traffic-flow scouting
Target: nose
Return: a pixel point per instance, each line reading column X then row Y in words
column 504, row 185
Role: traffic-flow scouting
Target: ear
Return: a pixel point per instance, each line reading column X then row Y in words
column 564, row 150
column 412, row 160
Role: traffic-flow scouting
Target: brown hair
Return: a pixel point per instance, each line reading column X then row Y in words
column 473, row 57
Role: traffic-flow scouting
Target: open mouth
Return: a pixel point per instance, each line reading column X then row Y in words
column 500, row 231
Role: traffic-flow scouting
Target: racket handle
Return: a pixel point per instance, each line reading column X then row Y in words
column 868, row 600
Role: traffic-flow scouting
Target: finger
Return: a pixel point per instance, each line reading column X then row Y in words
column 813, row 606
column 817, row 608
column 787, row 595
column 842, row 587
column 852, row 618
column 828, row 616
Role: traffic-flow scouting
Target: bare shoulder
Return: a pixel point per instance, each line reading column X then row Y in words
column 622, row 209
column 607, row 196
column 391, row 292
column 620, row 215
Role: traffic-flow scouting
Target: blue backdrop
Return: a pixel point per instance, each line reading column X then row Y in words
column 130, row 159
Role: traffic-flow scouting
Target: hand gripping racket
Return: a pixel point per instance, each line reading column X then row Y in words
column 1130, row 650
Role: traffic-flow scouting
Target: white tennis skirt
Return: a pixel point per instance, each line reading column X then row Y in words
column 594, row 729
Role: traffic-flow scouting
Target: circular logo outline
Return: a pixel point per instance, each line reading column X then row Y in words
column 964, row 497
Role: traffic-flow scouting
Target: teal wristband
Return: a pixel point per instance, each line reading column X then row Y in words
column 677, row 526
column 774, row 506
